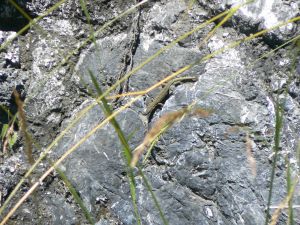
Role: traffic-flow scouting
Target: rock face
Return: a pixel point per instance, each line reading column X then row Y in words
column 212, row 169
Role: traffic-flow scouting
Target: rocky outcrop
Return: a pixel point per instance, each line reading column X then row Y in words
column 204, row 170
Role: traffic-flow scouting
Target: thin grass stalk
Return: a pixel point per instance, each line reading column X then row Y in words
column 290, row 220
column 224, row 20
column 152, row 144
column 25, row 15
column 7, row 133
column 76, row 197
column 298, row 156
column 165, row 222
column 88, row 17
column 4, row 108
column 284, row 202
column 278, row 125
column 126, row 147
column 289, row 181
column 113, row 121
column 71, row 188
column 23, row 126
column 289, row 190
column 163, row 123
column 279, row 47
column 127, row 153
column 28, row 144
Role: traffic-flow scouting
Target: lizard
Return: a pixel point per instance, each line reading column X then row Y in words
column 159, row 98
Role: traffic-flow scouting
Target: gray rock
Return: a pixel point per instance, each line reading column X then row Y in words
column 11, row 79
column 11, row 54
column 104, row 61
column 201, row 169
column 51, row 90
column 261, row 15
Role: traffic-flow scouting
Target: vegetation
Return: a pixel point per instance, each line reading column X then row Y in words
column 131, row 156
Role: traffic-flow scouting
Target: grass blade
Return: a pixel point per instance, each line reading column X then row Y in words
column 76, row 197
column 23, row 126
column 126, row 148
column 278, row 126
column 127, row 153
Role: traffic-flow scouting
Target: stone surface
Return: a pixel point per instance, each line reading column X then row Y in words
column 202, row 169
column 261, row 15
column 11, row 19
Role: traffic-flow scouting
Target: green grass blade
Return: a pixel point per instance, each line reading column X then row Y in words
column 298, row 154
column 25, row 15
column 108, row 112
column 85, row 10
column 88, row 17
column 278, row 126
column 70, row 187
column 4, row 130
column 127, row 153
column 289, row 190
column 126, row 147
column 76, row 197
column 5, row 109
column 165, row 222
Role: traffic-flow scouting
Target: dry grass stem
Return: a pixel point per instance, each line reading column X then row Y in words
column 163, row 123
column 283, row 204
column 23, row 126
